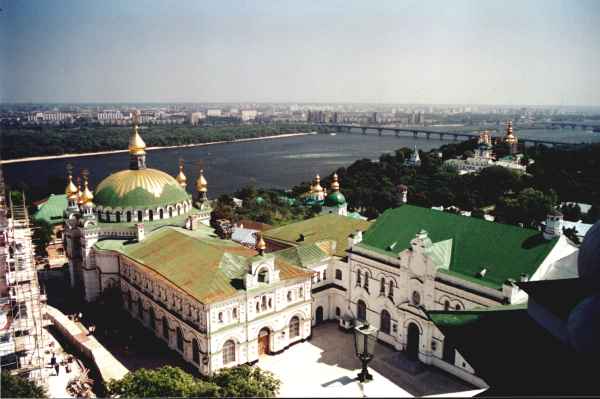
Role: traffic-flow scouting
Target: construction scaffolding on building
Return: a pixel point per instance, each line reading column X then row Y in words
column 22, row 304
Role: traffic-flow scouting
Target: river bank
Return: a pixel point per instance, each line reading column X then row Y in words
column 89, row 154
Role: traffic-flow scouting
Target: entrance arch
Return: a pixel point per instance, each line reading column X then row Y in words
column 319, row 315
column 412, row 341
column 264, row 338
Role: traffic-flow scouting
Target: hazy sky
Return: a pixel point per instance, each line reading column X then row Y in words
column 482, row 52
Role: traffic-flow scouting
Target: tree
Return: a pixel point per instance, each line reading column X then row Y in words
column 571, row 212
column 246, row 381
column 42, row 236
column 13, row 386
column 529, row 207
column 165, row 381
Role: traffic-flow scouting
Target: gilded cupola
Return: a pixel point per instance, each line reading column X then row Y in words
column 181, row 178
column 316, row 188
column 260, row 244
column 201, row 183
column 86, row 195
column 510, row 137
column 71, row 189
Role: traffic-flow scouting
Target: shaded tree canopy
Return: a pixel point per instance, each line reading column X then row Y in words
column 13, row 386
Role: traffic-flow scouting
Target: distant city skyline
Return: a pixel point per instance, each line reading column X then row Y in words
column 510, row 53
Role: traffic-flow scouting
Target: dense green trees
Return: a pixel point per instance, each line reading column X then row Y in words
column 242, row 381
column 55, row 140
column 13, row 386
column 42, row 236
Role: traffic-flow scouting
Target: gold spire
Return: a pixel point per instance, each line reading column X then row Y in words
column 136, row 143
column 260, row 244
column 335, row 185
column 71, row 189
column 316, row 188
column 79, row 192
column 181, row 178
column 510, row 138
column 86, row 196
column 201, row 183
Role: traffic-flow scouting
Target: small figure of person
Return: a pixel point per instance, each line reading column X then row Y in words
column 57, row 368
column 53, row 360
column 79, row 316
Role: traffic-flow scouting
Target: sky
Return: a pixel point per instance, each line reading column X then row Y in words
column 536, row 52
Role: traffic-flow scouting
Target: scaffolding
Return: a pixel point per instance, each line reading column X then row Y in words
column 22, row 304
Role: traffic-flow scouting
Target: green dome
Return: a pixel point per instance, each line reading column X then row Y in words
column 145, row 188
column 335, row 199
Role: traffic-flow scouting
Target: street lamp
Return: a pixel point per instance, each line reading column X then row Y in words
column 365, row 337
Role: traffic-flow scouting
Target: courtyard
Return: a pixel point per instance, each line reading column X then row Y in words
column 325, row 366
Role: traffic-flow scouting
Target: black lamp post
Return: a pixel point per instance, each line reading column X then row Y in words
column 365, row 337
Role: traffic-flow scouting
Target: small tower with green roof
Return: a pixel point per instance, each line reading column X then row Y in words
column 335, row 202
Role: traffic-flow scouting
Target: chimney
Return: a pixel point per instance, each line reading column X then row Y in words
column 403, row 193
column 554, row 225
column 139, row 234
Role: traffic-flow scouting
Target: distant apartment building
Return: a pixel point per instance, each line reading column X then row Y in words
column 49, row 117
column 213, row 112
column 109, row 116
column 195, row 117
column 249, row 115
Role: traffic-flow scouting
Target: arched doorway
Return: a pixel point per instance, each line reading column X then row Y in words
column 412, row 341
column 319, row 315
column 264, row 336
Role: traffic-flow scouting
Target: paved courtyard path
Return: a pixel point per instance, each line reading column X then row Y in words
column 325, row 366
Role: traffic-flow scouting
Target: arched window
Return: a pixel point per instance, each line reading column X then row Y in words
column 263, row 304
column 195, row 351
column 107, row 216
column 257, row 307
column 170, row 212
column 325, row 274
column 294, row 327
column 416, row 298
column 234, row 313
column 151, row 215
column 270, row 303
column 128, row 216
column 338, row 274
column 140, row 216
column 118, row 215
column 382, row 287
column 446, row 305
column 165, row 328
column 338, row 312
column 457, row 307
column 220, row 317
column 366, row 286
column 229, row 352
column 179, row 209
column 361, row 310
column 289, row 296
column 152, row 319
column 391, row 290
column 263, row 275
column 301, row 292
column 358, row 278
column 179, row 339
column 161, row 214
column 384, row 324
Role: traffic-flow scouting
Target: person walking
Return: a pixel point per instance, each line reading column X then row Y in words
column 57, row 368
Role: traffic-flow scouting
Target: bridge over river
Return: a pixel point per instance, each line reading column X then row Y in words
column 428, row 133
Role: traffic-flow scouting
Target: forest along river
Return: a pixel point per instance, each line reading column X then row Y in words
column 272, row 163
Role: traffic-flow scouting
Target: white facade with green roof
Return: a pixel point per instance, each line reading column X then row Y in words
column 415, row 259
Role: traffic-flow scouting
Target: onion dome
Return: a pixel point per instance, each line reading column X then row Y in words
column 201, row 183
column 181, row 178
column 335, row 198
column 79, row 193
column 137, row 146
column 86, row 196
column 260, row 244
column 510, row 138
column 316, row 188
column 71, row 189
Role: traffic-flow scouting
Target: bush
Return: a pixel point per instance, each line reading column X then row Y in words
column 13, row 386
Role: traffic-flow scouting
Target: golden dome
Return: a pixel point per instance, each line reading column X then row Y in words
column 79, row 194
column 316, row 188
column 86, row 196
column 201, row 183
column 335, row 185
column 181, row 178
column 260, row 244
column 71, row 187
column 139, row 188
column 137, row 146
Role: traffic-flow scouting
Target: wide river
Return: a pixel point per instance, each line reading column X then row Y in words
column 272, row 163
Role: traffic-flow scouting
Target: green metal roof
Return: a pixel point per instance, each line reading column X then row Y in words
column 320, row 228
column 204, row 266
column 306, row 255
column 464, row 317
column 505, row 251
column 52, row 210
column 335, row 198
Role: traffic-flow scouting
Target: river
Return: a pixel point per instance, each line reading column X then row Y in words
column 272, row 163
